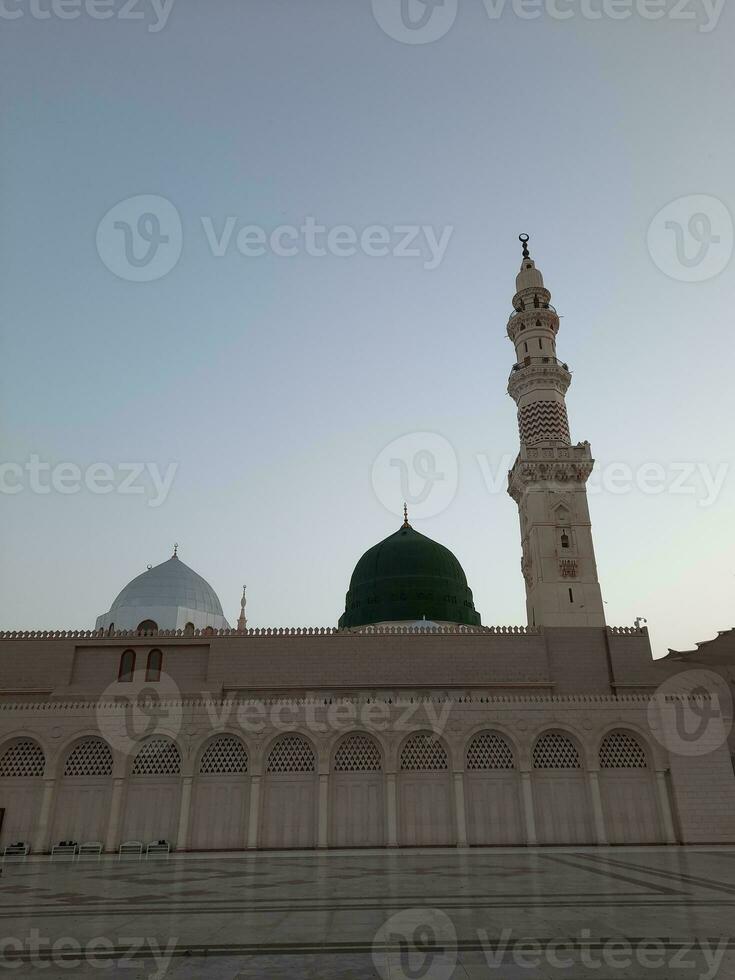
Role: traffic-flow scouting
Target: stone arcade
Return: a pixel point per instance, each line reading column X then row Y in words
column 408, row 724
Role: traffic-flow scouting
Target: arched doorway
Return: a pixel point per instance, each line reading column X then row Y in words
column 425, row 793
column 492, row 792
column 628, row 790
column 561, row 801
column 357, row 807
column 85, row 790
column 220, row 799
column 290, row 798
column 154, row 791
column 22, row 765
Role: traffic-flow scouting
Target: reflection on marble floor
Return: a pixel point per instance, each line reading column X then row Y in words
column 436, row 914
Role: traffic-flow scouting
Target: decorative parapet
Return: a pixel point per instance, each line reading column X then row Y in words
column 628, row 630
column 208, row 632
column 57, row 707
column 549, row 466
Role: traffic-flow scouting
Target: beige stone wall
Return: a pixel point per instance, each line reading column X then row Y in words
column 680, row 789
column 548, row 661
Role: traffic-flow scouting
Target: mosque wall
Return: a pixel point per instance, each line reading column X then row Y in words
column 329, row 771
column 512, row 661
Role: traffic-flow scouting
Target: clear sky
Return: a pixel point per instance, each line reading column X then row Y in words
column 273, row 383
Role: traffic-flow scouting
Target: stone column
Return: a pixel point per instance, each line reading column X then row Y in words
column 593, row 780
column 665, row 806
column 391, row 809
column 528, row 814
column 254, row 817
column 40, row 839
column 182, row 836
column 323, row 809
column 460, row 809
column 113, row 821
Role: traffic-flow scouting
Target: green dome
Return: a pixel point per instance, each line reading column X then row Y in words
column 408, row 577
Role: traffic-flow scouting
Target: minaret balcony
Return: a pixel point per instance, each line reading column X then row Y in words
column 550, row 467
column 526, row 374
column 526, row 308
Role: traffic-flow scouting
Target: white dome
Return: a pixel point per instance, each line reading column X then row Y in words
column 171, row 595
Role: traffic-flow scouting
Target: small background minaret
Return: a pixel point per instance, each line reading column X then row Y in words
column 242, row 623
column 548, row 479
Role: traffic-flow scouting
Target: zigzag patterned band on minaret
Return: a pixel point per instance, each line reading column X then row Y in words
column 543, row 422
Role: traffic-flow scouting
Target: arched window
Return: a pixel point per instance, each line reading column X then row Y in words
column 92, row 757
column 153, row 666
column 622, row 750
column 292, row 753
column 147, row 626
column 157, row 757
column 24, row 758
column 225, row 754
column 489, row 751
column 555, row 751
column 357, row 753
column 424, row 751
column 127, row 666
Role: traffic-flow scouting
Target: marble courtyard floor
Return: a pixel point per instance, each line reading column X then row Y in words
column 444, row 914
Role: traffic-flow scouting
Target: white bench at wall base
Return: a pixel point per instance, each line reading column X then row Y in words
column 158, row 848
column 90, row 848
column 64, row 850
column 20, row 851
column 130, row 848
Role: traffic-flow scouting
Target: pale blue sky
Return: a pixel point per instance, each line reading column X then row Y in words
column 274, row 383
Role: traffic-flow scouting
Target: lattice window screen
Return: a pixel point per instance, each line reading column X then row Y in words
column 620, row 750
column 223, row 755
column 90, row 758
column 291, row 754
column 489, row 751
column 25, row 758
column 158, row 757
column 357, row 753
column 424, row 752
column 555, row 751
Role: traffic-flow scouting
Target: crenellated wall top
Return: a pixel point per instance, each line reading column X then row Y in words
column 297, row 631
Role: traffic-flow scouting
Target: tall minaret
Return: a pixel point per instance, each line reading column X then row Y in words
column 548, row 479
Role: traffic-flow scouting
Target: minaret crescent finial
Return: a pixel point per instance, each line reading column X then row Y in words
column 524, row 240
column 176, row 550
column 405, row 515
column 242, row 623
